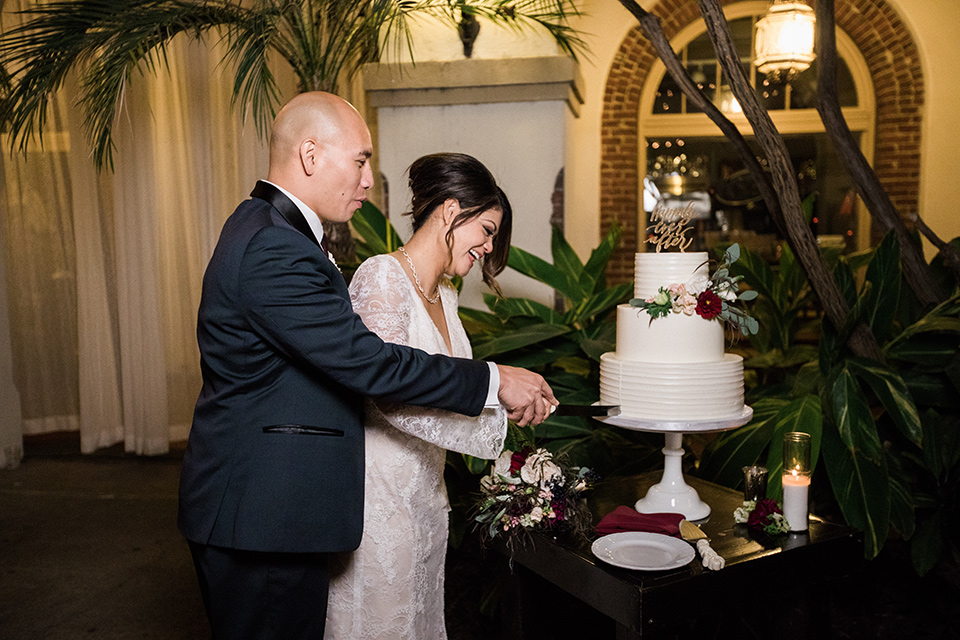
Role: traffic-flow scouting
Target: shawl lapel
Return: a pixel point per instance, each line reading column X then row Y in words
column 286, row 207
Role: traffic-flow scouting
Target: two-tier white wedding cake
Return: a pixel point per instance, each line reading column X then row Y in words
column 672, row 367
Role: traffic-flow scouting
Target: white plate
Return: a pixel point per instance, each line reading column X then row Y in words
column 643, row 550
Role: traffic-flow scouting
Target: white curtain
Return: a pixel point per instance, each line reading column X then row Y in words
column 104, row 271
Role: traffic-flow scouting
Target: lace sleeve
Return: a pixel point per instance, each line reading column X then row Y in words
column 382, row 296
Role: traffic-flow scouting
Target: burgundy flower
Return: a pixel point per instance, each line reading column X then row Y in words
column 709, row 305
column 518, row 458
column 758, row 517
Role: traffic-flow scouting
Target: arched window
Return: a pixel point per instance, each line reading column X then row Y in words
column 685, row 159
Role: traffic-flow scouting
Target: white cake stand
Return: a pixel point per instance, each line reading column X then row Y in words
column 672, row 494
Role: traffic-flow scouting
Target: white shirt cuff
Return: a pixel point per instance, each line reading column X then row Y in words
column 493, row 389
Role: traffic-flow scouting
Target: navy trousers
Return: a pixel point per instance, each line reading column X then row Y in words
column 255, row 595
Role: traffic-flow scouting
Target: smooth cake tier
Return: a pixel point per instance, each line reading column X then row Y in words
column 673, row 391
column 676, row 337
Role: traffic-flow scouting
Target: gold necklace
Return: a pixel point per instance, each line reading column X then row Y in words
column 416, row 280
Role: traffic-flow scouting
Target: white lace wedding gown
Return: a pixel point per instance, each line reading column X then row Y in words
column 391, row 588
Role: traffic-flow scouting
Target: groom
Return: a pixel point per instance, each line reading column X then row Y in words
column 272, row 477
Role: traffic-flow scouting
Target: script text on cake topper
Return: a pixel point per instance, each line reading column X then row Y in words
column 669, row 228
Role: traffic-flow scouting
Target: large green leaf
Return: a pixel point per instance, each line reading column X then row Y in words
column 862, row 490
column 523, row 337
column 594, row 271
column 598, row 305
column 792, row 275
column 931, row 390
column 902, row 516
column 851, row 413
column 893, row 394
column 507, row 308
column 804, row 415
column 476, row 321
column 542, row 271
column 757, row 273
column 941, row 443
column 927, row 349
column 564, row 257
column 723, row 462
column 885, row 275
column 563, row 427
column 377, row 233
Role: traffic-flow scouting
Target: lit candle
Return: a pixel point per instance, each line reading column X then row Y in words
column 796, row 488
column 796, row 479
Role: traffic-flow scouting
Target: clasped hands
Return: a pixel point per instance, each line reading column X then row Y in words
column 527, row 397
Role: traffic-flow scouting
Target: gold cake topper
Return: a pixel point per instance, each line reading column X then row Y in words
column 669, row 228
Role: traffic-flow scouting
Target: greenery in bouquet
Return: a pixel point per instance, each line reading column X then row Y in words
column 709, row 298
column 529, row 490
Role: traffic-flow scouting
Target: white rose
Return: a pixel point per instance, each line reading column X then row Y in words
column 536, row 514
column 539, row 468
column 502, row 465
column 697, row 286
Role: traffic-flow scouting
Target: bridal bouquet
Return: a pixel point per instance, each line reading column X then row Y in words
column 531, row 490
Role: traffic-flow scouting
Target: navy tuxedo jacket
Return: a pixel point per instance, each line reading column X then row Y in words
column 275, row 456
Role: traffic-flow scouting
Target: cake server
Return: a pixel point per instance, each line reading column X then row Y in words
column 587, row 410
column 693, row 533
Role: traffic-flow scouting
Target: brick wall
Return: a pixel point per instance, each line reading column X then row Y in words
column 894, row 64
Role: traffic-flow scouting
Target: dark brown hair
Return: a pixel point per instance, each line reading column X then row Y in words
column 437, row 177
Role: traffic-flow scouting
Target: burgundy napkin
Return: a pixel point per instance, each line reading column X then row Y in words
column 625, row 518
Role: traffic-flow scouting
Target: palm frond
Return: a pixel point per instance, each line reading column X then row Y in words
column 104, row 41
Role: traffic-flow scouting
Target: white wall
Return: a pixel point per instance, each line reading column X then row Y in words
column 522, row 145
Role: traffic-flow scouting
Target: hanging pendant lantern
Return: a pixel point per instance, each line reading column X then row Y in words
column 784, row 45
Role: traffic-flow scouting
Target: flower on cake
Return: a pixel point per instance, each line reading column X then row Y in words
column 712, row 297
column 530, row 490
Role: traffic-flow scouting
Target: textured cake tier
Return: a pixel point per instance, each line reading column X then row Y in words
column 673, row 391
column 676, row 337
column 655, row 270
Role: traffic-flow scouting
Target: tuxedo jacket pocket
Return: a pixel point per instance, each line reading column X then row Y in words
column 304, row 430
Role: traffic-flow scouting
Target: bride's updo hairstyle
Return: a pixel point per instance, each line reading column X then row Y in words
column 441, row 176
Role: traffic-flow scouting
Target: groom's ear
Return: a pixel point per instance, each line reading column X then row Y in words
column 309, row 156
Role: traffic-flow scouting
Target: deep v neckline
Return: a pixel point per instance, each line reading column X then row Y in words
column 440, row 287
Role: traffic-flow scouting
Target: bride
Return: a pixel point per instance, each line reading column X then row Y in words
column 392, row 586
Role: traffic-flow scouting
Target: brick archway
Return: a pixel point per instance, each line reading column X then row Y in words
column 890, row 53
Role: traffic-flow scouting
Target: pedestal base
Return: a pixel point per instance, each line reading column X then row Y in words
column 672, row 494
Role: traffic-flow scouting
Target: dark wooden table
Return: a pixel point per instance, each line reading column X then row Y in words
column 779, row 585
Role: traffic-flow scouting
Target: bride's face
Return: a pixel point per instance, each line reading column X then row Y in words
column 472, row 241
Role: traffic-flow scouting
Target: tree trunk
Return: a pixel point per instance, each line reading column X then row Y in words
column 862, row 342
column 651, row 27
column 915, row 269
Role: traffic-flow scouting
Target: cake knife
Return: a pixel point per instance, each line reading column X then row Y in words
column 587, row 410
column 691, row 532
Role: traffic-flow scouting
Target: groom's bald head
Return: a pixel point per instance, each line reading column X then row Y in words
column 316, row 139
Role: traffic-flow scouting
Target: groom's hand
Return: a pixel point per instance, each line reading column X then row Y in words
column 526, row 396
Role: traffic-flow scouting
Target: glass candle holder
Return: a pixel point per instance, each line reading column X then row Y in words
column 796, row 479
column 754, row 483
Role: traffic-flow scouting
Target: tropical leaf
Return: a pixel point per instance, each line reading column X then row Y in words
column 759, row 275
column 902, row 516
column 851, row 414
column 507, row 308
column 862, row 489
column 594, row 271
column 723, row 462
column 893, row 394
column 884, row 274
column 539, row 269
column 523, row 337
column 927, row 544
column 377, row 234
column 803, row 415
column 564, row 257
column 601, row 303
column 563, row 427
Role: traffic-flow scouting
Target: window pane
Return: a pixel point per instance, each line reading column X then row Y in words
column 668, row 96
column 708, row 173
